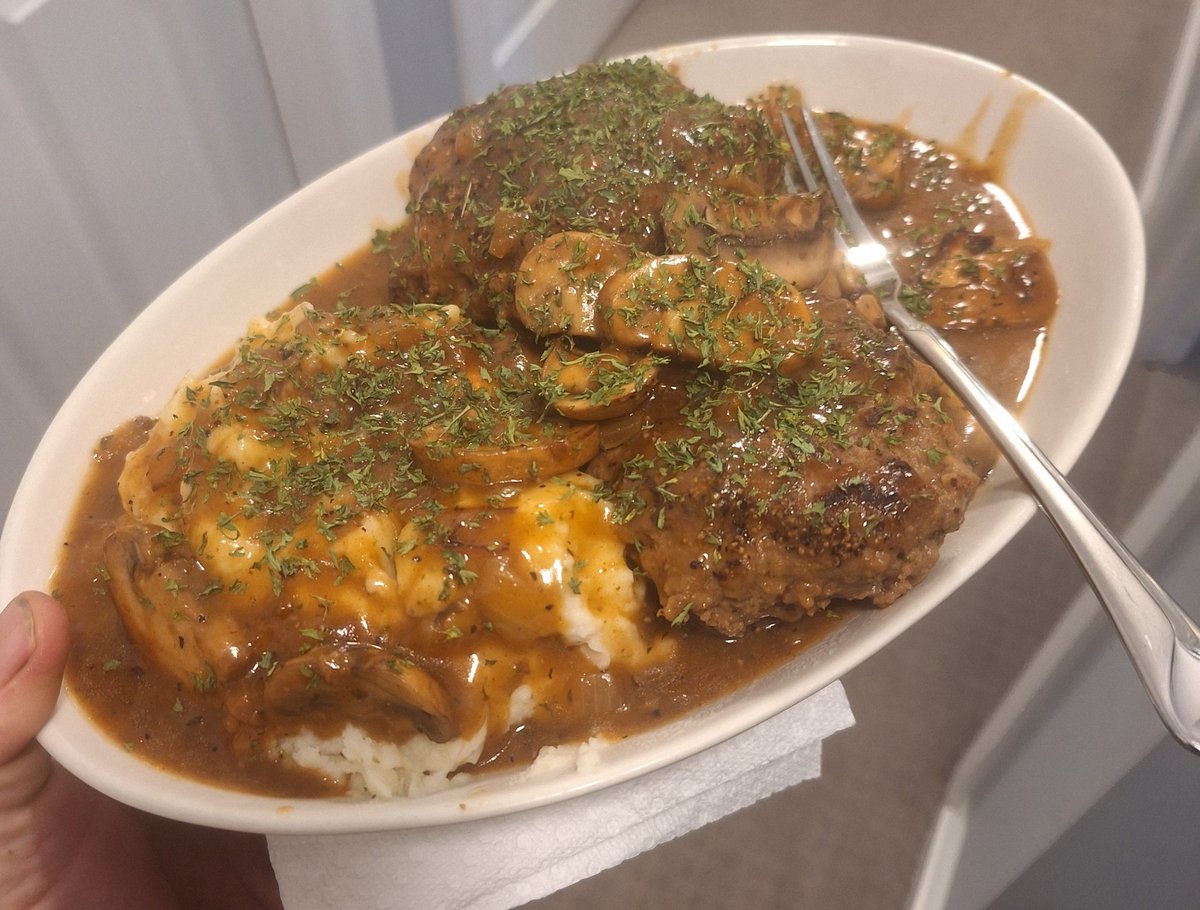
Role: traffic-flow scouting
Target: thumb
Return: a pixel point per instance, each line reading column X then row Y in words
column 33, row 651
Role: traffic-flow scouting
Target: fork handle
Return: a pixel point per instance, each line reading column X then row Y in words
column 1162, row 640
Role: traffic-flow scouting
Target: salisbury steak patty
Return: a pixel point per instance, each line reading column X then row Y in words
column 776, row 494
column 606, row 149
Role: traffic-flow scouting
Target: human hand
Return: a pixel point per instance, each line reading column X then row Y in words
column 64, row 845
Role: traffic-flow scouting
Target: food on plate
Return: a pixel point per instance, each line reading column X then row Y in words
column 605, row 429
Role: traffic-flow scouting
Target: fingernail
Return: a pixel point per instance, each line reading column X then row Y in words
column 16, row 638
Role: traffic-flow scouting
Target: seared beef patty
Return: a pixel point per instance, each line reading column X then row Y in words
column 603, row 149
column 760, row 495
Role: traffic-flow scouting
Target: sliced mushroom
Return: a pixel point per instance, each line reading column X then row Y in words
column 702, row 311
column 804, row 261
column 692, row 220
column 596, row 385
column 764, row 328
column 871, row 160
column 559, row 280
column 541, row 450
column 357, row 679
column 975, row 281
column 870, row 157
column 790, row 235
column 652, row 303
column 154, row 596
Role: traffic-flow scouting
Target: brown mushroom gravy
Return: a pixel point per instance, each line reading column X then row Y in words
column 602, row 432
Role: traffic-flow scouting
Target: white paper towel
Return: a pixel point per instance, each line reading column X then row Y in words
column 498, row 863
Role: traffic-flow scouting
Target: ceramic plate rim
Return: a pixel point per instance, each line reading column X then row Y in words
column 69, row 740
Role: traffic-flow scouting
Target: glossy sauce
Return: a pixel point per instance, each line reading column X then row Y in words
column 168, row 723
column 180, row 727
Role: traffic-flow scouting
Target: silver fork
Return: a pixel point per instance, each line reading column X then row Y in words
column 1162, row 641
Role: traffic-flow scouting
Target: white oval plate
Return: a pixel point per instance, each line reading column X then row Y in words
column 1066, row 177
